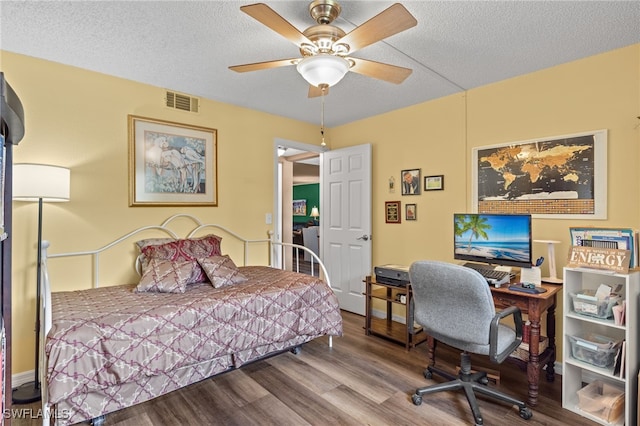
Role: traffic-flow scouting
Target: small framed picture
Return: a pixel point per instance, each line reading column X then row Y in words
column 299, row 207
column 410, row 212
column 392, row 212
column 434, row 183
column 410, row 182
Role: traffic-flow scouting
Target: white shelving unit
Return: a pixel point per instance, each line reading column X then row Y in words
column 577, row 374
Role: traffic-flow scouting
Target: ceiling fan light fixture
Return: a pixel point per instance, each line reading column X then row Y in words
column 323, row 69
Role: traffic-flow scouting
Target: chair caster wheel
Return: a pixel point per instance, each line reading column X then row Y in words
column 417, row 399
column 427, row 374
column 526, row 413
column 98, row 421
column 484, row 381
column 295, row 350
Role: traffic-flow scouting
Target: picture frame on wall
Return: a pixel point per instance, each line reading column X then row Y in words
column 411, row 212
column 434, row 183
column 299, row 207
column 557, row 177
column 410, row 179
column 171, row 164
column 392, row 212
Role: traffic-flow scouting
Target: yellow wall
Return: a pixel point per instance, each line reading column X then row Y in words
column 600, row 92
column 77, row 119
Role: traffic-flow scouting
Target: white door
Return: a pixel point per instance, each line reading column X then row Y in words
column 346, row 222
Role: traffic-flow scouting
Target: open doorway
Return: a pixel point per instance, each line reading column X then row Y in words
column 345, row 215
column 297, row 205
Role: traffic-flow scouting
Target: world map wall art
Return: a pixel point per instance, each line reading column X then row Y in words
column 560, row 177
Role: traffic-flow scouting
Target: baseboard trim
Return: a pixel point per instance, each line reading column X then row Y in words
column 557, row 367
column 22, row 378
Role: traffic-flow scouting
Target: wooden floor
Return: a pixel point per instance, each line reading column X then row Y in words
column 362, row 380
column 305, row 266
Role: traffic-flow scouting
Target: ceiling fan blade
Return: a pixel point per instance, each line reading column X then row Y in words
column 379, row 70
column 314, row 91
column 267, row 16
column 257, row 66
column 390, row 21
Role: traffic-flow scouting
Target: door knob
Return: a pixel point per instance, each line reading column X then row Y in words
column 364, row 237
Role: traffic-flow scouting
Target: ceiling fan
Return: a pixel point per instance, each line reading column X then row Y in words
column 326, row 49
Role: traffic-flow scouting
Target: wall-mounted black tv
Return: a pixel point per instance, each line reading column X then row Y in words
column 499, row 239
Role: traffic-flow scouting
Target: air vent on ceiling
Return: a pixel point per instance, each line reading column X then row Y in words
column 182, row 102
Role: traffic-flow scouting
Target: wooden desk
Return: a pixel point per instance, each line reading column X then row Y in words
column 534, row 305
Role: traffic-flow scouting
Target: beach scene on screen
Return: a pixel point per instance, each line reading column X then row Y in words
column 492, row 237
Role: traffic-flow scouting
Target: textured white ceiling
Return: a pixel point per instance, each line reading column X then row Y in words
column 187, row 46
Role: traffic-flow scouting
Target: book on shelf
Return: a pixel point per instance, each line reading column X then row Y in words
column 623, row 356
column 619, row 364
column 619, row 312
column 615, row 238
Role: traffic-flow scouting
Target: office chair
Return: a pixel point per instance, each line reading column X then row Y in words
column 454, row 305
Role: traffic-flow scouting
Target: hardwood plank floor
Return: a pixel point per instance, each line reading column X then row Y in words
column 362, row 380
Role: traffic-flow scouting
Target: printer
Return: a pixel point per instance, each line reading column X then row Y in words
column 392, row 274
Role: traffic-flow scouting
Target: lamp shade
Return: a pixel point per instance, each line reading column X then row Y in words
column 323, row 69
column 315, row 212
column 34, row 181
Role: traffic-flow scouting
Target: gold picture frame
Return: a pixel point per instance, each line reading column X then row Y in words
column 171, row 164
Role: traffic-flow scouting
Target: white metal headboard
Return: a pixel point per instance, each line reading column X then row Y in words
column 165, row 231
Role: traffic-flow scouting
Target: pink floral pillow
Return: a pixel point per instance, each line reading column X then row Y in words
column 221, row 271
column 187, row 249
column 163, row 276
column 153, row 242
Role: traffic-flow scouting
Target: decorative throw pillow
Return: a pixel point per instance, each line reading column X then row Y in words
column 153, row 242
column 221, row 271
column 187, row 249
column 163, row 276
column 142, row 260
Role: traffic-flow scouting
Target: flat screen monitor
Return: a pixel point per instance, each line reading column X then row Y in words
column 500, row 239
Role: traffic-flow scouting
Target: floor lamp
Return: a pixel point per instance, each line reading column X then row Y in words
column 41, row 183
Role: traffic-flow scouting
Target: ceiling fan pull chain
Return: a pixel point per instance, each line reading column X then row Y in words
column 322, row 118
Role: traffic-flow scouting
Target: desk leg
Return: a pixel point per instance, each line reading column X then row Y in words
column 389, row 309
column 367, row 300
column 551, row 334
column 533, row 366
column 431, row 350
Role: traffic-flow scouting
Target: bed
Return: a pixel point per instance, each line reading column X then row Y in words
column 190, row 315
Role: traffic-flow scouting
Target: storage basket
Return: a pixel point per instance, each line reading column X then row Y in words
column 522, row 351
column 594, row 349
column 585, row 303
column 602, row 400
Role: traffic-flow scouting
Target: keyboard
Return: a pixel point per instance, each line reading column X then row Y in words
column 493, row 277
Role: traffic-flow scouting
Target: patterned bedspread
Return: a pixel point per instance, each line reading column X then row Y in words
column 113, row 338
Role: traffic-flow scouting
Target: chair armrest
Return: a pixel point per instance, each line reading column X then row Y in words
column 493, row 333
